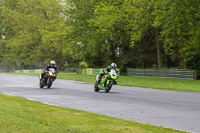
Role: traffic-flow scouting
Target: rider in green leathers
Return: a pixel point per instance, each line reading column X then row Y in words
column 106, row 71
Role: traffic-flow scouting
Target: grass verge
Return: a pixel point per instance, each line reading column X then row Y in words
column 19, row 115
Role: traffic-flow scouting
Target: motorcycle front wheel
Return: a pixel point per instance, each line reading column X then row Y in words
column 109, row 86
column 41, row 84
column 49, row 83
column 96, row 88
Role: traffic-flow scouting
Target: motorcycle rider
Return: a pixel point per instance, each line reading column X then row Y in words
column 51, row 65
column 106, row 71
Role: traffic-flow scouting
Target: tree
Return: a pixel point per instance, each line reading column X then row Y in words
column 131, row 33
column 86, row 45
column 179, row 21
column 34, row 32
column 127, row 23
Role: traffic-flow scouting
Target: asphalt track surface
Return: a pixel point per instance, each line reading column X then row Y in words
column 171, row 109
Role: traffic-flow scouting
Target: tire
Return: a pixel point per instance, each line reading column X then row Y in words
column 49, row 83
column 108, row 87
column 41, row 85
column 96, row 88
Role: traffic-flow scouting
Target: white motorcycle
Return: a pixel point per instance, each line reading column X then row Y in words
column 48, row 78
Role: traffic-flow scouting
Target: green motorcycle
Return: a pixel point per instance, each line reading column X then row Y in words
column 106, row 81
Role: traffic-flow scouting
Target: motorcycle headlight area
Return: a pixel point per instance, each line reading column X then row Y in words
column 50, row 73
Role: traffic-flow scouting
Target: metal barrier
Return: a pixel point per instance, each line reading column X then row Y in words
column 168, row 73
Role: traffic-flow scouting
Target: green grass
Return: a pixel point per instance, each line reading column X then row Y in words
column 161, row 83
column 19, row 115
column 147, row 82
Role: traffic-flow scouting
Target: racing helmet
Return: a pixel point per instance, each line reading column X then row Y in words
column 53, row 63
column 113, row 65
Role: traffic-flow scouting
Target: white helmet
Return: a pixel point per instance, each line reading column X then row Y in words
column 52, row 63
column 113, row 65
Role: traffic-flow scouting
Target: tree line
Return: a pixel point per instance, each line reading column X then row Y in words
column 131, row 33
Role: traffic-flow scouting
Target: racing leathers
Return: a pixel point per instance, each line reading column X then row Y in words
column 106, row 71
column 47, row 68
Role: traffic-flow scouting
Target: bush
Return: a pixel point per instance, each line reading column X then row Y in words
column 83, row 64
column 194, row 63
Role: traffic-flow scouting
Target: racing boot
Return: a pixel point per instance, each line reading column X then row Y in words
column 115, row 82
column 40, row 77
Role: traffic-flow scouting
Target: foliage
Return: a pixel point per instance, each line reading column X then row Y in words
column 194, row 63
column 33, row 33
column 132, row 33
column 179, row 21
column 83, row 64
